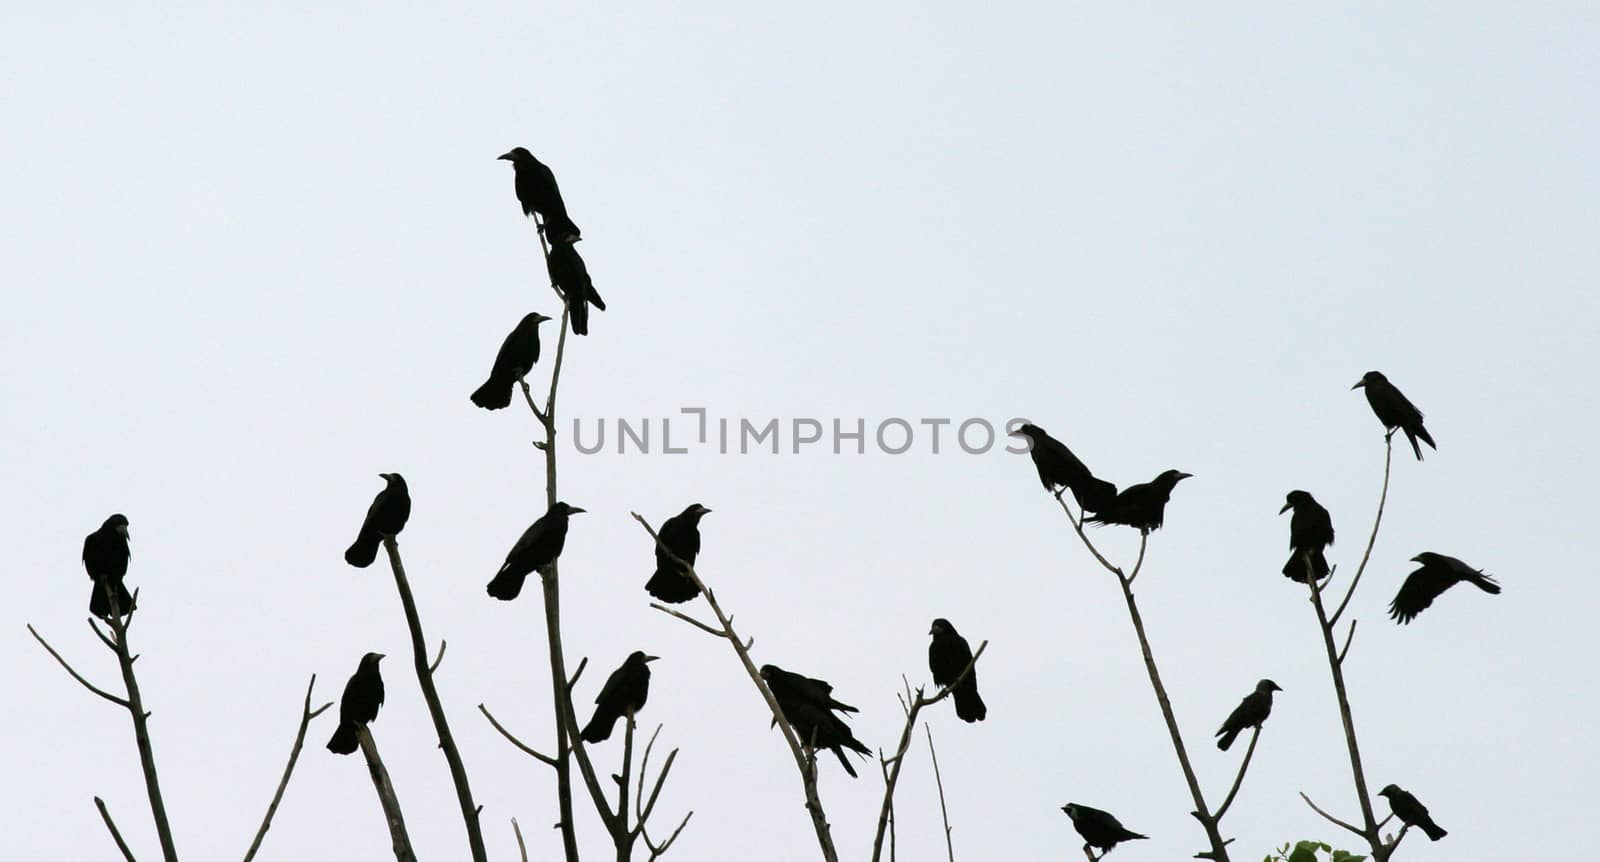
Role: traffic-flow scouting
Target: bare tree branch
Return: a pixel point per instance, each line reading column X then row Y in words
column 430, row 694
column 715, row 632
column 944, row 813
column 1349, row 636
column 1239, row 779
column 657, row 852
column 75, row 675
column 386, row 797
column 306, row 714
column 434, row 665
column 1383, row 497
column 521, row 746
column 140, row 716
column 806, row 765
column 117, row 836
column 522, row 849
column 1330, row 818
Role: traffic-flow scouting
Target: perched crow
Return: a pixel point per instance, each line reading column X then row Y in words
column 948, row 656
column 539, row 546
column 363, row 694
column 681, row 535
column 1141, row 506
column 1394, row 411
column 1250, row 712
column 568, row 273
column 385, row 517
column 808, row 704
column 1059, row 468
column 624, row 692
column 105, row 558
column 1411, row 812
column 1099, row 829
column 538, row 193
column 1438, row 573
column 1310, row 531
column 516, row 357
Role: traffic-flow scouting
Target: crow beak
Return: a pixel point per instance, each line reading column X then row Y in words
column 1286, row 507
column 704, row 510
column 1417, row 559
column 1359, row 384
column 381, row 656
column 573, row 510
column 508, row 157
column 1185, row 475
column 651, row 658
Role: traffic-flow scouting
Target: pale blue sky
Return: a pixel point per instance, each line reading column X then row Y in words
column 256, row 256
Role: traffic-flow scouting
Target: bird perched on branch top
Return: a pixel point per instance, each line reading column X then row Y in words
column 1250, row 712
column 1059, row 468
column 1098, row 828
column 105, row 558
column 538, row 193
column 1394, row 410
column 1438, row 573
column 1310, row 531
column 1141, row 506
column 624, row 692
column 363, row 694
column 680, row 537
column 571, row 276
column 517, row 355
column 385, row 517
column 808, row 705
column 539, row 546
column 948, row 656
column 1411, row 812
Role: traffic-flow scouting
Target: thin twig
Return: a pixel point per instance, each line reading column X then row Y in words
column 655, row 851
column 1330, row 818
column 521, row 746
column 117, row 836
column 386, row 796
column 75, row 675
column 1239, row 779
column 1383, row 497
column 141, row 718
column 715, row 632
column 522, row 849
column 944, row 813
column 306, row 714
column 1349, row 636
column 430, row 694
column 434, row 665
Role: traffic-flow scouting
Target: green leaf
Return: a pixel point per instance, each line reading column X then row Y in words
column 1346, row 856
column 1303, row 853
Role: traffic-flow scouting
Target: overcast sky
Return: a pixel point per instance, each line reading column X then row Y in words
column 255, row 256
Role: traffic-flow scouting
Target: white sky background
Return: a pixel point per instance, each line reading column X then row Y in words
column 254, row 258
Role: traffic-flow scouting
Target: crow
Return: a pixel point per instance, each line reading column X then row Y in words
column 808, row 705
column 539, row 546
column 363, row 694
column 571, row 276
column 1310, row 531
column 1141, row 506
column 1250, row 712
column 680, row 535
column 1438, row 573
column 624, row 692
column 948, row 656
column 1411, row 812
column 385, row 517
column 1394, row 411
column 538, row 193
column 1098, row 828
column 517, row 355
column 105, row 558
column 1059, row 468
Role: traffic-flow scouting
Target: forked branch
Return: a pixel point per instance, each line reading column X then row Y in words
column 306, row 714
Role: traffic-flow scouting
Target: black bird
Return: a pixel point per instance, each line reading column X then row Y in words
column 1059, row 468
column 105, row 558
column 1141, row 506
column 385, row 517
column 539, row 546
column 538, row 193
column 1394, row 410
column 517, row 355
column 1098, row 828
column 363, row 694
column 808, row 705
column 1310, row 531
column 1438, row 573
column 1250, row 712
column 1411, row 812
column 948, row 656
column 681, row 535
column 624, row 692
column 568, row 272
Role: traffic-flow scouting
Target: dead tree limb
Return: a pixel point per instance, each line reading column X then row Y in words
column 386, row 797
column 944, row 813
column 112, row 827
column 306, row 714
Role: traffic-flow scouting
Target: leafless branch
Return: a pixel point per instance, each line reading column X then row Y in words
column 1349, row 636
column 141, row 717
column 75, row 675
column 1239, row 779
column 715, row 632
column 434, row 665
column 430, row 694
column 1383, row 497
column 386, row 797
column 522, row 848
column 1330, row 818
column 806, row 765
column 306, row 714
column 944, row 813
column 657, row 852
column 117, row 836
column 521, row 746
